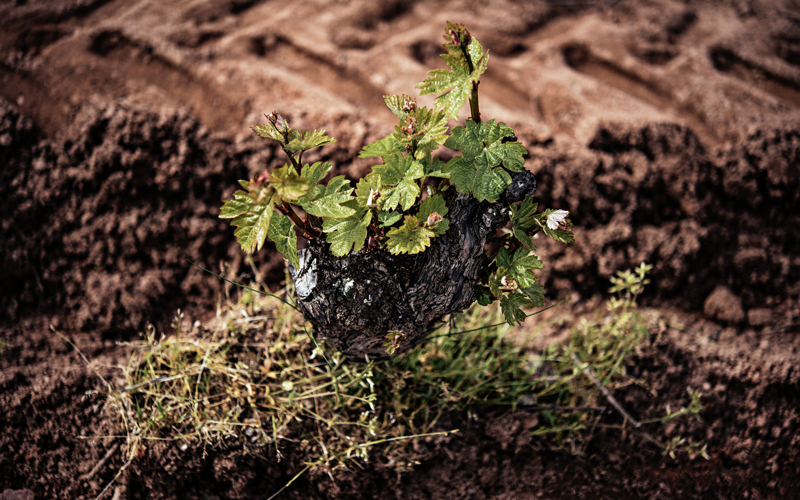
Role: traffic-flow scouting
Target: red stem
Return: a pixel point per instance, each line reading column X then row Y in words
column 308, row 230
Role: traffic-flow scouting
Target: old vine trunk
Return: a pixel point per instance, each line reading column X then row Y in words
column 354, row 301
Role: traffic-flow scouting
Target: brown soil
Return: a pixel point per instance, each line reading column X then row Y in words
column 670, row 129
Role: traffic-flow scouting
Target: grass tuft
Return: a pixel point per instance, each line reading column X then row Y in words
column 258, row 376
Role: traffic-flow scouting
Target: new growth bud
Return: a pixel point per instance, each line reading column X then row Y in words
column 373, row 196
column 262, row 177
column 453, row 37
column 433, row 220
column 458, row 34
column 411, row 125
column 409, row 104
column 278, row 121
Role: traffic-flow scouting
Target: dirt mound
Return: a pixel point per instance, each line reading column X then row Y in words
column 652, row 193
column 669, row 130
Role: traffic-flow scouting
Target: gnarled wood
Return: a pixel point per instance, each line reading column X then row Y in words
column 354, row 301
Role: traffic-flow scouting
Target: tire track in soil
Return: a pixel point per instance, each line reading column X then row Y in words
column 319, row 71
column 729, row 62
column 580, row 58
column 34, row 100
column 115, row 64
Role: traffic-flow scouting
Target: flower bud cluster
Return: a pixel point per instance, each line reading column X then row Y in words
column 278, row 122
column 433, row 220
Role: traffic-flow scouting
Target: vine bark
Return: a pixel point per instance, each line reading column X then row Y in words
column 354, row 301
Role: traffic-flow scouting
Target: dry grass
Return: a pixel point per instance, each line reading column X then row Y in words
column 258, row 376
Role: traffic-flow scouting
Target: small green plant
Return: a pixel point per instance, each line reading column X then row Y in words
column 597, row 354
column 400, row 205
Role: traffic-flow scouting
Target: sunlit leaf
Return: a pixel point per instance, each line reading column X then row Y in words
column 411, row 238
column 481, row 170
column 281, row 232
column 347, row 234
column 288, row 184
column 327, row 201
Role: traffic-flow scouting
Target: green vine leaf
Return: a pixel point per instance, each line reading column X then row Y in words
column 422, row 131
column 303, row 140
column 536, row 294
column 404, row 194
column 411, row 238
column 478, row 170
column 288, row 184
column 251, row 212
column 400, row 105
column 327, row 201
column 398, row 178
column 519, row 266
column 483, row 295
column 347, row 234
column 456, row 82
column 382, row 147
column 511, row 305
column 523, row 220
column 281, row 232
column 434, row 167
column 316, row 172
column 386, row 219
column 368, row 190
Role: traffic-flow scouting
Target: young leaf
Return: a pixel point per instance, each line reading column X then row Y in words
column 386, row 219
column 400, row 105
column 288, row 184
column 381, row 147
column 251, row 213
column 560, row 235
column 523, row 220
column 478, row 170
column 412, row 237
column 368, row 190
column 392, row 341
column 326, row 201
column 433, row 167
column 431, row 205
column 281, row 232
column 496, row 281
column 535, row 293
column 270, row 132
column 347, row 234
column 404, row 194
column 398, row 177
column 511, row 304
column 303, row 140
column 456, row 83
column 556, row 225
column 316, row 172
column 422, row 131
column 483, row 295
column 519, row 266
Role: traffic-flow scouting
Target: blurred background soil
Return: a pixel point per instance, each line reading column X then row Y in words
column 670, row 130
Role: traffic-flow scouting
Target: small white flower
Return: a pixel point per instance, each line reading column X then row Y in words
column 556, row 219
